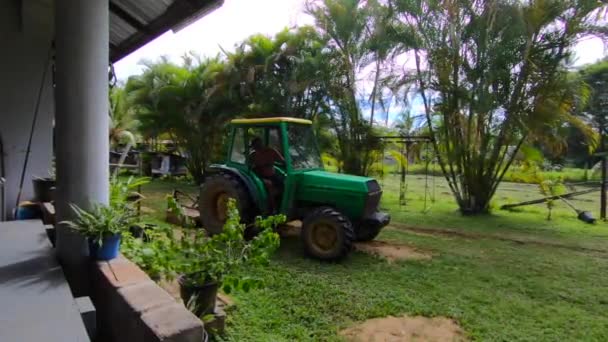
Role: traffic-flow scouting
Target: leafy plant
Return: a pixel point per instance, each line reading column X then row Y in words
column 492, row 76
column 157, row 255
column 101, row 221
column 217, row 258
column 124, row 193
column 107, row 220
column 551, row 188
column 176, row 209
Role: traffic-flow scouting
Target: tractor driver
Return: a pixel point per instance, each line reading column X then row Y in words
column 263, row 159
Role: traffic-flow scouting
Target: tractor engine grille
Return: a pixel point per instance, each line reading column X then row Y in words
column 374, row 193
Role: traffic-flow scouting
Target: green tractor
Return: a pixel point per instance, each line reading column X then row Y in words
column 335, row 209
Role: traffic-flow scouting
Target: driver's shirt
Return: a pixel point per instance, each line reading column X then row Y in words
column 263, row 161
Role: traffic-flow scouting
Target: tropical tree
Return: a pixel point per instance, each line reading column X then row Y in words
column 281, row 75
column 596, row 111
column 123, row 124
column 343, row 25
column 191, row 103
column 492, row 76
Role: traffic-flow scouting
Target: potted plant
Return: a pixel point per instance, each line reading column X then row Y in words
column 210, row 263
column 102, row 226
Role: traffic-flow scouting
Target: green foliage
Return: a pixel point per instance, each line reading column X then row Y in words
column 280, row 75
column 217, row 258
column 190, row 103
column 551, row 188
column 123, row 193
column 201, row 259
column 99, row 222
column 123, row 123
column 176, row 209
column 173, row 206
column 349, row 49
column 492, row 75
column 480, row 280
column 156, row 254
column 539, row 285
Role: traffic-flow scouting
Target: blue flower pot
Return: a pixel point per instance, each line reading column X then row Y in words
column 107, row 250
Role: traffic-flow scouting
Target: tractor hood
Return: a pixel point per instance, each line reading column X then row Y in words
column 335, row 181
column 357, row 197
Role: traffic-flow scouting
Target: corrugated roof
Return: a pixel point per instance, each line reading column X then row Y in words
column 134, row 23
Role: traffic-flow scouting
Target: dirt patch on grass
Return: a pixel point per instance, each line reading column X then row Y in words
column 406, row 328
column 290, row 229
column 391, row 251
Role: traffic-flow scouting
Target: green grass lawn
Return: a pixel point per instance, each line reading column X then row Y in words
column 505, row 276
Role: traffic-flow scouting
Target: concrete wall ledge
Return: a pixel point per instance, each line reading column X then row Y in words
column 132, row 307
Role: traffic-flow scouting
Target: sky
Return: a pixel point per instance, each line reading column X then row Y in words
column 238, row 19
column 228, row 25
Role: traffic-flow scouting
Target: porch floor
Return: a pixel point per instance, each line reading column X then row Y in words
column 36, row 303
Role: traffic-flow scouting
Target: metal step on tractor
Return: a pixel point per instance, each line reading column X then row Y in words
column 335, row 209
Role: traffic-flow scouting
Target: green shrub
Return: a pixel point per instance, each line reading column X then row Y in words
column 219, row 257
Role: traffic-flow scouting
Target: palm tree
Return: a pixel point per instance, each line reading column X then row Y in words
column 492, row 76
column 190, row 103
column 342, row 24
column 123, row 124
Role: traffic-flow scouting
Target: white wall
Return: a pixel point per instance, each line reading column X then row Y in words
column 26, row 30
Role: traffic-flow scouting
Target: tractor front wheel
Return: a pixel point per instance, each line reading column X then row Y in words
column 213, row 201
column 327, row 234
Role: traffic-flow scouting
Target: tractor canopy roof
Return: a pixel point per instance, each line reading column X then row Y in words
column 270, row 121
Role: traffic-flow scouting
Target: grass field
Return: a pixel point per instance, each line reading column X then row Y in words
column 505, row 276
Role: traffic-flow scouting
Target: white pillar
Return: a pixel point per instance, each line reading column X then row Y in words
column 81, row 121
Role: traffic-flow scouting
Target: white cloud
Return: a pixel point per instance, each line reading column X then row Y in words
column 225, row 27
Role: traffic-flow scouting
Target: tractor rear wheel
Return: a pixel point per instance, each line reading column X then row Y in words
column 365, row 233
column 213, row 201
column 327, row 234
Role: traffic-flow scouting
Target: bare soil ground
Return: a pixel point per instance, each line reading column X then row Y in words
column 290, row 229
column 392, row 252
column 406, row 328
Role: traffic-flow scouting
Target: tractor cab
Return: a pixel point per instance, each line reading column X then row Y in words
column 273, row 165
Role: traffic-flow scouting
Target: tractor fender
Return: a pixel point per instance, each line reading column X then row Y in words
column 249, row 184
